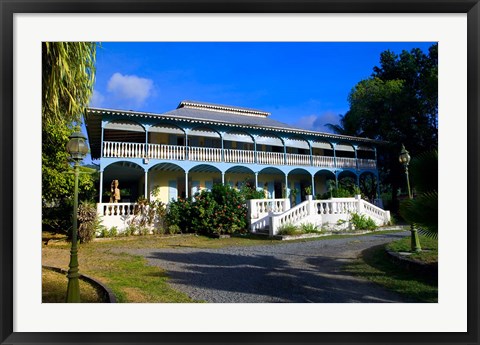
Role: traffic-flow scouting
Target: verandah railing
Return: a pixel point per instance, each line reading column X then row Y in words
column 208, row 154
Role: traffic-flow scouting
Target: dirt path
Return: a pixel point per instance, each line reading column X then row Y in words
column 288, row 272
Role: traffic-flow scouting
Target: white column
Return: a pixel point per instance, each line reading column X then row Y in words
column 287, row 196
column 146, row 186
column 256, row 180
column 146, row 143
column 186, row 184
column 101, row 141
column 100, row 192
column 223, row 148
column 223, row 178
column 356, row 156
column 186, row 146
column 313, row 184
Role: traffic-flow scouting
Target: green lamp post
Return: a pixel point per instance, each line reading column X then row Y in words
column 404, row 159
column 77, row 148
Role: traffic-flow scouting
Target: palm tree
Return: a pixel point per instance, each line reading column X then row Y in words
column 68, row 74
column 423, row 209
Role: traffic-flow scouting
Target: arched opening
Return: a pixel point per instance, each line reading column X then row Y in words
column 298, row 181
column 369, row 185
column 166, row 182
column 239, row 176
column 324, row 184
column 203, row 176
column 131, row 181
column 347, row 180
column 322, row 154
column 239, row 147
column 273, row 183
column 270, row 149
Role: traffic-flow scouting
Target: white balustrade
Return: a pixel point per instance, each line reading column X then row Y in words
column 298, row 159
column 205, row 154
column 259, row 208
column 174, row 152
column 323, row 161
column 343, row 162
column 116, row 209
column 275, row 158
column 123, row 150
column 209, row 154
column 336, row 206
column 379, row 215
column 322, row 212
column 367, row 163
column 239, row 156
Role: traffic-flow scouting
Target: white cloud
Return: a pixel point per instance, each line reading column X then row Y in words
column 317, row 122
column 130, row 88
column 97, row 99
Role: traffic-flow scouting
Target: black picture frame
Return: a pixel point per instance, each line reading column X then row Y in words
column 10, row 7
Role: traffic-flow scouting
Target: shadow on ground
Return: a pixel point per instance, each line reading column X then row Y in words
column 225, row 277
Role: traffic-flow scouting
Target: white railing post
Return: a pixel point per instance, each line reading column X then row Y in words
column 252, row 209
column 273, row 224
column 359, row 204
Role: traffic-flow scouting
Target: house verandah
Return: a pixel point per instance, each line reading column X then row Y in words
column 175, row 154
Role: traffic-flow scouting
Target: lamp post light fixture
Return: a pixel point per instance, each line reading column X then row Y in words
column 77, row 148
column 404, row 159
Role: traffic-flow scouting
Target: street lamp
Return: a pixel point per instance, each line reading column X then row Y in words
column 77, row 148
column 404, row 159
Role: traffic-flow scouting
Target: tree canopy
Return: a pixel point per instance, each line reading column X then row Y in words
column 398, row 103
column 68, row 70
column 68, row 75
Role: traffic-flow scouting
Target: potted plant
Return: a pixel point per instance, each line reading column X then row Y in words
column 308, row 192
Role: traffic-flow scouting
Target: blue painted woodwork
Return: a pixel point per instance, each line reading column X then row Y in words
column 257, row 133
column 172, row 190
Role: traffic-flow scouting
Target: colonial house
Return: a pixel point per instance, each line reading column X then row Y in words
column 175, row 154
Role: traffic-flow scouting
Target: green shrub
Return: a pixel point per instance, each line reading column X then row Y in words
column 309, row 228
column 248, row 192
column 143, row 230
column 362, row 222
column 174, row 229
column 219, row 211
column 149, row 213
column 288, row 229
column 103, row 232
column 113, row 231
column 130, row 230
column 88, row 222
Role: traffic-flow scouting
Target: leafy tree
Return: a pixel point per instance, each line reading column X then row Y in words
column 67, row 84
column 422, row 210
column 397, row 104
column 68, row 72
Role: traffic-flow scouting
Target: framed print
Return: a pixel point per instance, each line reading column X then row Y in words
column 453, row 25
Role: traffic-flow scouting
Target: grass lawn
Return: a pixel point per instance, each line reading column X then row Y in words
column 375, row 265
column 54, row 289
column 429, row 253
column 129, row 276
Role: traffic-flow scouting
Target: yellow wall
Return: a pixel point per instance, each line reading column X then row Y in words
column 161, row 178
column 159, row 138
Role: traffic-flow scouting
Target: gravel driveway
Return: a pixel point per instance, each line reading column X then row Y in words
column 287, row 272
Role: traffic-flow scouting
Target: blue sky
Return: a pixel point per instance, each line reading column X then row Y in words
column 303, row 84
